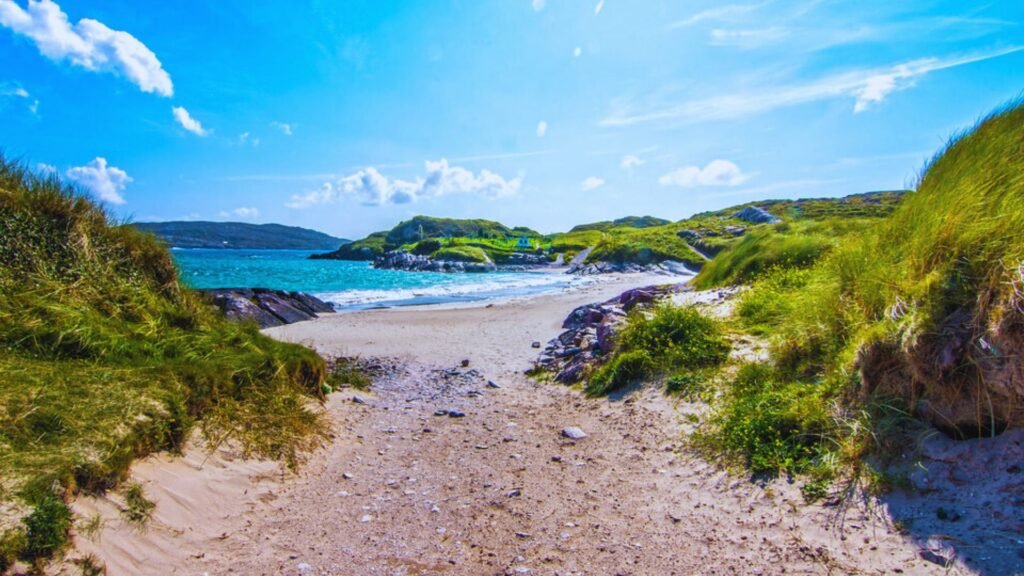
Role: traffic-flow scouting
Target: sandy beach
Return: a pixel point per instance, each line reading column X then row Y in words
column 401, row 490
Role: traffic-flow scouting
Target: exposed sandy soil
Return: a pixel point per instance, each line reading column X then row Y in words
column 403, row 491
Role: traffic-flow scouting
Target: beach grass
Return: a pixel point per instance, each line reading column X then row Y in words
column 106, row 357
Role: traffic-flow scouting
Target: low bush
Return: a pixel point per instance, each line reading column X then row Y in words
column 669, row 338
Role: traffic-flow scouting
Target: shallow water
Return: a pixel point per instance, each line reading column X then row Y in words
column 351, row 285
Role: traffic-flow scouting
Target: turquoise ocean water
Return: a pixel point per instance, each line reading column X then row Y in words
column 354, row 285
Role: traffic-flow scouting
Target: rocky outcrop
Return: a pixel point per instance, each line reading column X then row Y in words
column 590, row 333
column 668, row 267
column 402, row 260
column 268, row 308
column 755, row 215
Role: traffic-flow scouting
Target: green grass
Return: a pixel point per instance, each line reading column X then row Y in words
column 783, row 245
column 859, row 335
column 644, row 246
column 667, row 339
column 462, row 254
column 105, row 357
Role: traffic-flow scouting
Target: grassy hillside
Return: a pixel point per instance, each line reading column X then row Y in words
column 106, row 357
column 464, row 240
column 872, row 321
column 240, row 235
column 627, row 222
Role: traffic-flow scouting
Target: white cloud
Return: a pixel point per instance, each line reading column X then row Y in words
column 866, row 87
column 244, row 213
column 89, row 44
column 246, row 138
column 105, row 181
column 716, row 173
column 598, row 7
column 722, row 13
column 13, row 91
column 577, row 51
column 188, row 122
column 752, row 38
column 591, row 183
column 538, row 5
column 46, row 169
column 372, row 188
column 542, row 129
column 284, row 127
column 630, row 161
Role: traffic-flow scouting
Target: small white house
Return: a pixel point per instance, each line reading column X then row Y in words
column 524, row 244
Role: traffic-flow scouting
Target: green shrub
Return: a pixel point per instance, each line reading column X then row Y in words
column 137, row 508
column 46, row 528
column 426, row 247
column 666, row 339
column 622, row 370
column 773, row 424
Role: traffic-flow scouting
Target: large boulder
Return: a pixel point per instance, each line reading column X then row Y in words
column 266, row 307
column 755, row 215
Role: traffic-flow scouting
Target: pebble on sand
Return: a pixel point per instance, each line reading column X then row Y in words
column 573, row 433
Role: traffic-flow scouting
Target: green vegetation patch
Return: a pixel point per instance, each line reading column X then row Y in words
column 106, row 357
column 462, row 254
column 666, row 339
column 645, row 246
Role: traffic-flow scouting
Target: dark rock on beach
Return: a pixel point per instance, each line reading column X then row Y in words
column 402, row 260
column 267, row 307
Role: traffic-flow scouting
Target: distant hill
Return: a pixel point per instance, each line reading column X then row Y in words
column 240, row 235
column 419, row 228
column 627, row 222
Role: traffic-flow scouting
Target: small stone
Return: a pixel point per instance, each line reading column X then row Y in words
column 440, row 412
column 435, row 509
column 455, row 414
column 574, row 433
column 358, row 400
column 465, row 362
column 347, row 476
column 556, row 458
column 366, row 518
column 492, row 384
column 522, row 534
column 514, row 493
column 535, row 344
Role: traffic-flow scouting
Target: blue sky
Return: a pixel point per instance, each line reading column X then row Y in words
column 350, row 116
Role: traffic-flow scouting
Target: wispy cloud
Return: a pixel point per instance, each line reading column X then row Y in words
column 598, row 7
column 188, row 122
column 105, row 181
column 716, row 173
column 591, row 183
column 538, row 5
column 750, row 38
column 542, row 129
column 866, row 87
column 244, row 213
column 285, row 128
column 722, row 13
column 371, row 188
column 89, row 44
column 630, row 161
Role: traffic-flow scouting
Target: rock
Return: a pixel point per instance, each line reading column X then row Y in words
column 268, row 308
column 755, row 215
column 535, row 344
column 935, row 558
column 573, row 433
column 465, row 363
column 441, row 412
column 735, row 230
column 365, row 518
column 401, row 260
column 455, row 414
column 358, row 400
column 492, row 384
column 347, row 476
column 632, row 298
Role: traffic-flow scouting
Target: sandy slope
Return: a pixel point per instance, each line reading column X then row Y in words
column 401, row 490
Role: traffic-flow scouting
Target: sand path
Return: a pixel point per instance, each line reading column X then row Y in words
column 403, row 491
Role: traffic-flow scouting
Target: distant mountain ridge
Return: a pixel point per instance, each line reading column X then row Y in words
column 240, row 235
